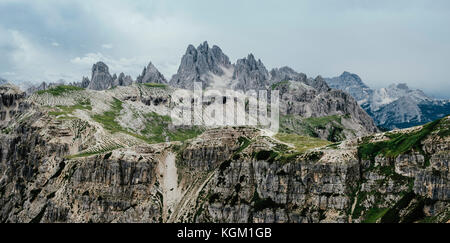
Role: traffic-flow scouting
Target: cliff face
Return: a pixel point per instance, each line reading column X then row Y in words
column 72, row 155
column 240, row 176
column 101, row 78
column 12, row 101
column 330, row 185
column 151, row 75
column 319, row 112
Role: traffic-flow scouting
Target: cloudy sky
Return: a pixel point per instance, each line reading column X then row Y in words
column 383, row 41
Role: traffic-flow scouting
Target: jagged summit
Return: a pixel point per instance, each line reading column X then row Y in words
column 200, row 65
column 85, row 82
column 150, row 74
column 101, row 78
column 347, row 79
column 352, row 84
column 319, row 83
column 286, row 73
column 123, row 80
column 251, row 74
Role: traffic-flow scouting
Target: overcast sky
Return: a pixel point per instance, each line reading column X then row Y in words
column 382, row 41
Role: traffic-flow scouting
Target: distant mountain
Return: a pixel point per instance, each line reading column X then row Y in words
column 301, row 97
column 202, row 64
column 101, row 78
column 396, row 106
column 352, row 84
column 151, row 75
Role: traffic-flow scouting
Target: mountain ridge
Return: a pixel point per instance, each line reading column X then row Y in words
column 79, row 155
column 396, row 106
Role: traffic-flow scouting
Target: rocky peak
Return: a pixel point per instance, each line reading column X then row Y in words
column 285, row 74
column 198, row 65
column 403, row 86
column 123, row 80
column 352, row 84
column 12, row 102
column 150, row 74
column 251, row 74
column 85, row 82
column 349, row 79
column 101, row 78
column 319, row 84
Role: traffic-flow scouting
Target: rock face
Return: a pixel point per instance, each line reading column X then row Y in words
column 101, row 78
column 151, row 75
column 338, row 113
column 286, row 74
column 394, row 107
column 251, row 74
column 319, row 84
column 302, row 97
column 352, row 84
column 85, row 83
column 123, row 80
column 12, row 103
column 199, row 65
column 217, row 178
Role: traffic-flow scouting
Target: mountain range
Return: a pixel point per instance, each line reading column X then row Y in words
column 108, row 150
column 396, row 106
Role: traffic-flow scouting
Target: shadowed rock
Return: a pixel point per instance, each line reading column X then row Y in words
column 151, row 75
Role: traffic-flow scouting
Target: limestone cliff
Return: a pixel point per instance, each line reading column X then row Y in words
column 76, row 156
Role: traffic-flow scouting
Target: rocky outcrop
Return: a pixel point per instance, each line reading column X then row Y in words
column 251, row 74
column 12, row 104
column 319, row 84
column 300, row 101
column 123, row 80
column 85, row 83
column 352, row 84
column 199, row 65
column 286, row 74
column 101, row 78
column 325, row 187
column 151, row 75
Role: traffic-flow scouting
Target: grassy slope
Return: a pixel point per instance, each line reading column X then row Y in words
column 156, row 128
column 65, row 112
column 60, row 90
column 396, row 145
column 311, row 126
column 301, row 143
column 153, row 85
